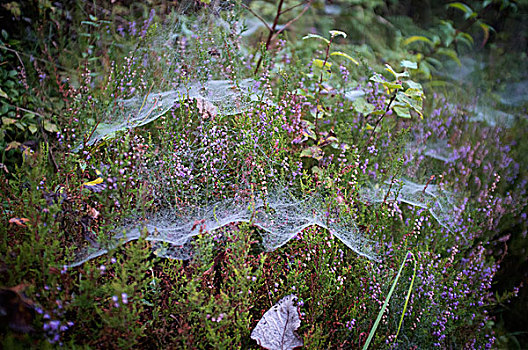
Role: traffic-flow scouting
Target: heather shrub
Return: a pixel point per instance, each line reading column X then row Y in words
column 190, row 178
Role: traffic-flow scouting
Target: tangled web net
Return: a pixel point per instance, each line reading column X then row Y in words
column 216, row 97
column 280, row 216
column 280, row 213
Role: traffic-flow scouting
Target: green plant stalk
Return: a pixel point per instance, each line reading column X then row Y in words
column 386, row 303
column 408, row 295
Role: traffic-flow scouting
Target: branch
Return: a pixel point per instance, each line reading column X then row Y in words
column 295, row 6
column 257, row 15
column 378, row 121
column 293, row 20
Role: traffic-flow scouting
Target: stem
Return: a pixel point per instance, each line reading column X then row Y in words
column 257, row 15
column 290, row 22
column 270, row 34
column 327, row 55
column 379, row 121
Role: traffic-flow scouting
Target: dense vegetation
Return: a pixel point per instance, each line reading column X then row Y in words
column 171, row 170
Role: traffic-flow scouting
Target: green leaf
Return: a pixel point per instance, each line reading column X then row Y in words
column 415, row 38
column 402, row 112
column 3, row 94
column 8, row 121
column 315, row 36
column 408, row 64
column 334, row 33
column 96, row 25
column 451, row 54
column 342, row 54
column 50, row 127
column 486, row 29
column 468, row 11
column 413, row 85
column 434, row 62
column 33, row 128
column 385, row 304
column 393, row 72
column 362, row 106
column 378, row 79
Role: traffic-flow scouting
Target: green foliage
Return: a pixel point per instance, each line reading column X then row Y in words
column 337, row 117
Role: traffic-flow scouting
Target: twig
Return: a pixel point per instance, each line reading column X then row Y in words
column 270, row 35
column 428, row 182
column 389, row 190
column 327, row 56
column 293, row 20
column 258, row 16
column 295, row 6
column 25, row 110
column 379, row 121
column 36, row 58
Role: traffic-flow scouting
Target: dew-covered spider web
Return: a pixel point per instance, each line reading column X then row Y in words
column 200, row 173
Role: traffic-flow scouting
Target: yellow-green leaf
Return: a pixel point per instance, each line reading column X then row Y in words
column 335, row 33
column 415, row 38
column 50, row 127
column 320, row 63
column 315, row 36
column 342, row 54
column 8, row 121
column 451, row 54
column 402, row 112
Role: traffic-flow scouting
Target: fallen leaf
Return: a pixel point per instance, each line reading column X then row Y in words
column 16, row 310
column 276, row 329
column 206, row 108
column 19, row 221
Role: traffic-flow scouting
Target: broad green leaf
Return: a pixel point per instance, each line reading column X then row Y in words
column 342, row 54
column 408, row 64
column 369, row 127
column 32, row 128
column 8, row 121
column 465, row 37
column 434, row 62
column 378, row 79
column 319, row 63
column 315, row 36
column 50, row 127
column 402, row 112
column 362, row 106
column 486, row 29
column 393, row 72
column 3, row 94
column 451, row 54
column 468, row 11
column 415, row 38
column 335, row 33
column 413, row 85
column 413, row 101
column 425, row 68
